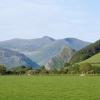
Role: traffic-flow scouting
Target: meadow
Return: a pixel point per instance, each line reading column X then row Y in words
column 50, row 87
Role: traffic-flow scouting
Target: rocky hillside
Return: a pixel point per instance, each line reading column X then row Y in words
column 58, row 61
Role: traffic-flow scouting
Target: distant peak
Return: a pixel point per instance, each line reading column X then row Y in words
column 74, row 39
column 71, row 39
column 47, row 37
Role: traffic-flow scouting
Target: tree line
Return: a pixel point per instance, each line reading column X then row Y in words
column 82, row 68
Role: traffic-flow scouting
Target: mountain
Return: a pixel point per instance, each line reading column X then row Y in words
column 11, row 58
column 76, row 44
column 58, row 61
column 41, row 50
column 86, row 52
column 26, row 44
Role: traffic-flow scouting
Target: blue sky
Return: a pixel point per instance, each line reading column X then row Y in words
column 55, row 18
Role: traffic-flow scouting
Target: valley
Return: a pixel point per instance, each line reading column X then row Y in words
column 47, row 55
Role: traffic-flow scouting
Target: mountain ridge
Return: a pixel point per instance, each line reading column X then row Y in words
column 42, row 49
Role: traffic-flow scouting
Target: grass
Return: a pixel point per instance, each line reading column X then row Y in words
column 49, row 88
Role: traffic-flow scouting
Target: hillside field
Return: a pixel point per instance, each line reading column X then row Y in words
column 94, row 60
column 49, row 87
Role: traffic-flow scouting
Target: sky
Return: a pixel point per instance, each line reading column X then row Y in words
column 31, row 19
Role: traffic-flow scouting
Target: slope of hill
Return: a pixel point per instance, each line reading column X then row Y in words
column 86, row 52
column 58, row 61
column 42, row 49
column 93, row 59
column 11, row 58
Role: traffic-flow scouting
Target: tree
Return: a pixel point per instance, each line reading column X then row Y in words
column 67, row 65
column 63, row 70
column 20, row 69
column 74, row 69
column 2, row 69
column 85, row 67
column 96, row 69
column 43, row 70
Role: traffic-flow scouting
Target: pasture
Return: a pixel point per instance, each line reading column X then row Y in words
column 50, row 87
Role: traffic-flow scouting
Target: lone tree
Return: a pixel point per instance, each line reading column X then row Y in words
column 2, row 69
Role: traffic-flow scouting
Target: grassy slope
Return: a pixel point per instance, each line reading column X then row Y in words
column 86, row 52
column 94, row 59
column 49, row 88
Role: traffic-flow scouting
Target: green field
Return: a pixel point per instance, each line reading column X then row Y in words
column 49, row 88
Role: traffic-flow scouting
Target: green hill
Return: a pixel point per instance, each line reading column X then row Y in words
column 86, row 52
column 93, row 59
